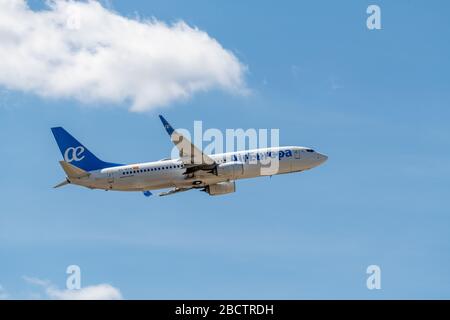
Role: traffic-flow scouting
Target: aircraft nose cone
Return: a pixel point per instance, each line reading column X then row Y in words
column 322, row 158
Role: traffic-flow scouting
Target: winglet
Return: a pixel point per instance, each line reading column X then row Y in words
column 147, row 193
column 168, row 127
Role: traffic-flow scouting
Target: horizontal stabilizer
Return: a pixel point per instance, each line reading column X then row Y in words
column 72, row 171
column 62, row 183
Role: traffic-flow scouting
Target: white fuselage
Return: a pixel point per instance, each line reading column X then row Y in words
column 170, row 173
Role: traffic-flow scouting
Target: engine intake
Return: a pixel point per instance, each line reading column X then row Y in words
column 220, row 188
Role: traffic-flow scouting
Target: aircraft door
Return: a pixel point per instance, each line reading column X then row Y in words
column 110, row 178
column 295, row 163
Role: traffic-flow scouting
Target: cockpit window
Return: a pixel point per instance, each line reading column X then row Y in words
column 309, row 150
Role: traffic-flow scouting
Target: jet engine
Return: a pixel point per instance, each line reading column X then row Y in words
column 230, row 170
column 220, row 188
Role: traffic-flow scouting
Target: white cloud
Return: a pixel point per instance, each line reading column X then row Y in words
column 37, row 281
column 96, row 292
column 84, row 51
column 3, row 294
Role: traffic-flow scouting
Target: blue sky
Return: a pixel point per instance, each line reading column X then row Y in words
column 376, row 102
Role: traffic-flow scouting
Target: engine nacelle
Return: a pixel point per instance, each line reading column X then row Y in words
column 230, row 170
column 221, row 188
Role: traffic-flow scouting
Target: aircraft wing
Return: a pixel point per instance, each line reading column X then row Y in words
column 172, row 191
column 193, row 158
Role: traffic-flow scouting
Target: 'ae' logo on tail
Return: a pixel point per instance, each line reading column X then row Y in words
column 74, row 154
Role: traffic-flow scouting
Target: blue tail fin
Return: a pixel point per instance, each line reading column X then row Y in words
column 77, row 154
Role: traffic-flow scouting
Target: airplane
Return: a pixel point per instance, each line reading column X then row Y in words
column 214, row 174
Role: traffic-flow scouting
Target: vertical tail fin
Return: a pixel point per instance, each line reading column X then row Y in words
column 72, row 171
column 77, row 154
